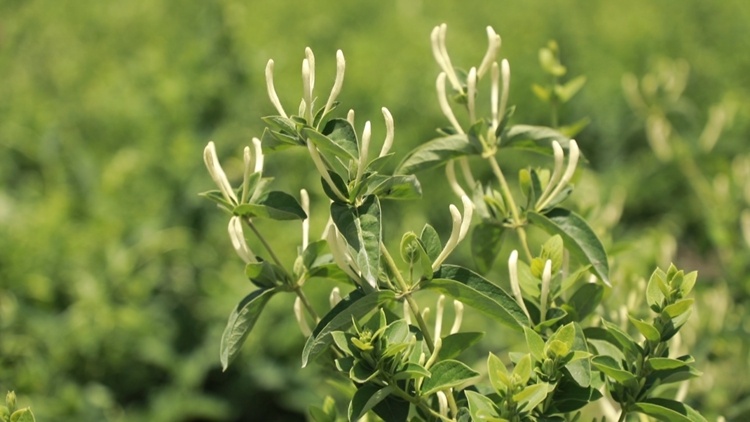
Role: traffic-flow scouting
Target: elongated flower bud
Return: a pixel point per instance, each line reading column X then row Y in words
column 237, row 236
column 459, row 316
column 272, row 90
column 546, row 277
column 514, row 283
column 301, row 320
column 493, row 46
column 217, row 173
column 471, row 93
column 389, row 132
column 439, row 310
column 450, row 173
column 305, row 202
column 338, row 82
column 444, row 104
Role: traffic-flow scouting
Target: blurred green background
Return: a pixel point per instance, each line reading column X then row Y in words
column 116, row 278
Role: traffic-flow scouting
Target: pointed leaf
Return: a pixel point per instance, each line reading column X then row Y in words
column 476, row 291
column 533, row 138
column 361, row 227
column 394, row 187
column 446, row 374
column 498, row 374
column 435, row 153
column 656, row 285
column 668, row 410
column 456, row 343
column 356, row 305
column 535, row 344
column 481, row 408
column 579, row 238
column 241, row 322
column 431, row 242
column 276, row 205
column 649, row 331
column 586, row 299
column 365, row 399
column 531, row 396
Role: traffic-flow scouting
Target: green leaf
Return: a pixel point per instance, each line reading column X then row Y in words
column 550, row 63
column 536, row 139
column 522, row 371
column 566, row 336
column 276, row 205
column 676, row 315
column 668, row 410
column 667, row 370
column 241, row 322
column 456, row 343
column 22, row 415
column 412, row 370
column 436, row 152
column 498, row 374
column 273, row 140
column 654, row 290
column 362, row 230
column 482, row 408
column 586, row 299
column 355, row 306
column 366, row 398
column 327, row 413
column 486, row 242
column 265, row 274
column 580, row 368
column 535, row 344
column 338, row 138
column 394, row 187
column 531, row 396
column 431, row 241
column 609, row 366
column 579, row 238
column 649, row 331
column 565, row 92
column 688, row 282
column 446, row 374
column 474, row 290
column 623, row 340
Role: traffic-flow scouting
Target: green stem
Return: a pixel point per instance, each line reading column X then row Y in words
column 505, row 190
column 306, row 303
column 417, row 401
column 267, row 246
column 409, row 299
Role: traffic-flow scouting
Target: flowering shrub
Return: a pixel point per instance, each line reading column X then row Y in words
column 400, row 362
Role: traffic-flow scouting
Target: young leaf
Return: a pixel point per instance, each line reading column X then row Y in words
column 446, row 374
column 241, row 322
column 611, row 368
column 343, row 151
column 435, row 153
column 522, row 371
column 498, row 374
column 579, row 238
column 456, row 343
column 412, row 370
column 533, row 138
column 569, row 89
column 580, row 369
column 668, row 410
column 431, row 242
column 342, row 133
column 476, row 291
column 535, row 344
column 486, row 241
column 361, row 228
column 265, row 274
column 531, row 396
column 366, row 398
column 481, row 408
column 356, row 305
column 649, row 332
column 654, row 290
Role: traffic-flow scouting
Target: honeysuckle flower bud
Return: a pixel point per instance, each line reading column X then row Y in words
column 305, row 203
column 435, row 352
column 459, row 230
column 437, row 37
column 388, row 132
column 444, row 104
column 556, row 175
column 335, row 297
column 458, row 308
column 237, row 236
column 338, row 82
column 300, row 316
column 442, row 403
column 493, row 46
column 546, row 277
column 306, row 107
column 450, row 173
column 515, row 286
column 311, row 61
column 505, row 78
column 494, row 96
column 407, row 314
column 439, row 310
column 344, row 261
column 217, row 173
column 321, row 167
column 364, row 151
column 471, row 93
column 574, row 154
column 272, row 91
column 259, row 159
column 247, row 158
column 350, row 117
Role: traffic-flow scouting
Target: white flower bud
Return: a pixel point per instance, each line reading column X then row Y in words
column 444, row 104
column 301, row 320
column 272, row 91
column 237, row 236
column 338, row 82
column 389, row 132
column 459, row 316
column 217, row 173
column 514, row 283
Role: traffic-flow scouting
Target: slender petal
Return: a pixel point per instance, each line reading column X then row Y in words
column 338, row 82
column 272, row 91
column 444, row 104
column 217, row 173
column 237, row 236
column 389, row 132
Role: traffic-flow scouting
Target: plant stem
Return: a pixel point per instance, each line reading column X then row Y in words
column 306, row 303
column 409, row 299
column 505, row 189
column 417, row 401
column 268, row 248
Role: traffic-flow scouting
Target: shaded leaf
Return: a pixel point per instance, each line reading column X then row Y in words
column 361, row 227
column 586, row 299
column 579, row 238
column 435, row 153
column 533, row 138
column 276, row 205
column 531, row 396
column 241, row 322
column 476, row 291
column 456, row 343
column 482, row 408
column 486, row 242
column 365, row 399
column 393, row 187
column 446, row 374
column 668, row 410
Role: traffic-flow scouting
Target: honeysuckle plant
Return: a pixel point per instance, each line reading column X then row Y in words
column 399, row 359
